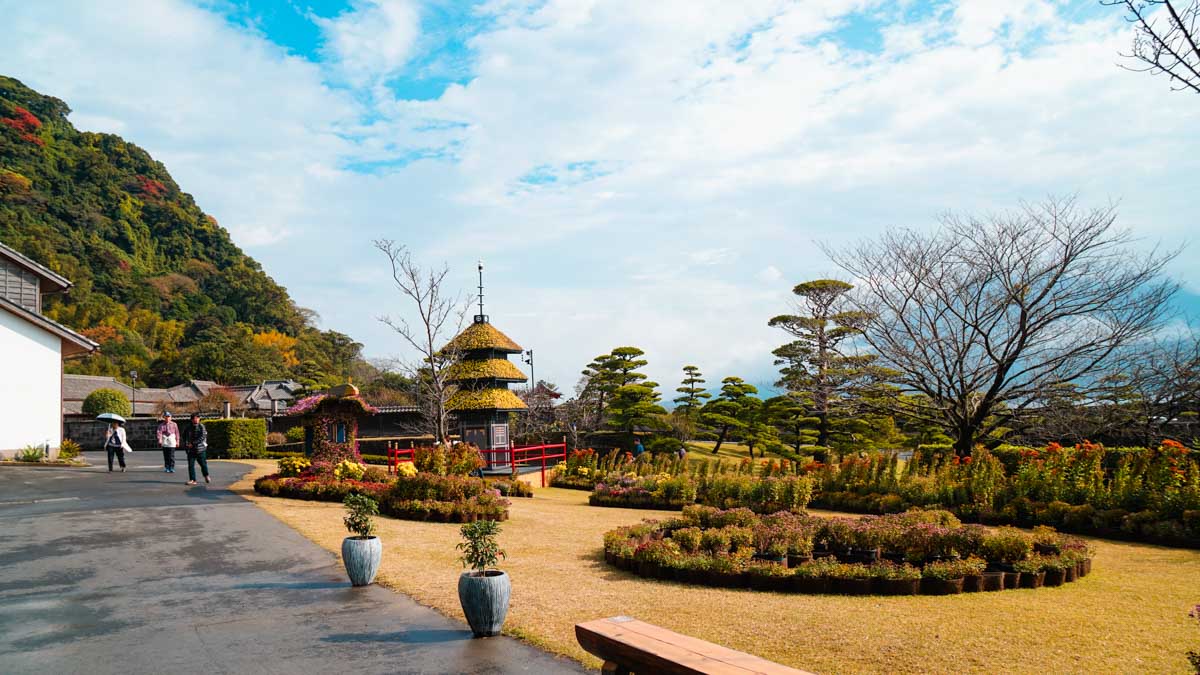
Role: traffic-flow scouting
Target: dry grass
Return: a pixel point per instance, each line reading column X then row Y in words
column 1129, row 615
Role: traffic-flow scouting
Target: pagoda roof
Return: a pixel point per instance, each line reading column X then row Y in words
column 483, row 335
column 497, row 398
column 485, row 369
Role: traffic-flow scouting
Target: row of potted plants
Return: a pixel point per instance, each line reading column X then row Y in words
column 483, row 591
column 924, row 552
column 762, row 494
column 1145, row 494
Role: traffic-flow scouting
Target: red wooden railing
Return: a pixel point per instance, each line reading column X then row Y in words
column 496, row 457
column 394, row 454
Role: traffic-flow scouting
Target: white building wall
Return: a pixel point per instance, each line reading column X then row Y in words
column 30, row 385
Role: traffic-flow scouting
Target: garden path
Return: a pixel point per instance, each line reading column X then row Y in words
column 135, row 573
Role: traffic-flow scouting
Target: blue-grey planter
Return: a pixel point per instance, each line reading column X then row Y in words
column 362, row 557
column 484, row 600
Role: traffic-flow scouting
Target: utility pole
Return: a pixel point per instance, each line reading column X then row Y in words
column 133, row 406
column 528, row 358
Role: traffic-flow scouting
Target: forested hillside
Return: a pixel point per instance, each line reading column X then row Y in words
column 158, row 283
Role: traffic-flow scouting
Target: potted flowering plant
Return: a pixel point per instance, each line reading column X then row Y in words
column 892, row 579
column 483, row 592
column 361, row 552
column 812, row 577
column 1033, row 574
column 942, row 578
column 973, row 569
column 851, row 579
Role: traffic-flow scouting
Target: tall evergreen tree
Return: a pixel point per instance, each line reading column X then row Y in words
column 817, row 365
column 619, row 390
column 728, row 411
column 692, row 393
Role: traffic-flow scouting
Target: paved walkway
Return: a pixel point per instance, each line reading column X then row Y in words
column 137, row 573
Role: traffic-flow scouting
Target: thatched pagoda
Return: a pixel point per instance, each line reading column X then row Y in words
column 482, row 374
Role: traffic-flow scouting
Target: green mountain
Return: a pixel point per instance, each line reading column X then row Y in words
column 158, row 283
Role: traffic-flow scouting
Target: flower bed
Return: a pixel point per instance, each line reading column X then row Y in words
column 422, row 497
column 761, row 494
column 1143, row 494
column 431, row 494
column 925, row 552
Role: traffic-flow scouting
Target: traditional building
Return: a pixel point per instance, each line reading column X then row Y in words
column 32, row 349
column 330, row 422
column 482, row 373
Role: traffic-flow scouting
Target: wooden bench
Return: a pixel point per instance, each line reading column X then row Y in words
column 630, row 646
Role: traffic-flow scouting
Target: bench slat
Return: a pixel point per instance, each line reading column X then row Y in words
column 648, row 648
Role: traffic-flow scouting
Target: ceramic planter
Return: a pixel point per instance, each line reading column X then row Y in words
column 795, row 560
column 993, row 581
column 941, row 586
column 1032, row 579
column 852, row 586
column 1085, row 567
column 1055, row 577
column 484, row 601
column 898, row 586
column 809, row 585
column 361, row 555
column 1069, row 574
column 973, row 583
column 1012, row 580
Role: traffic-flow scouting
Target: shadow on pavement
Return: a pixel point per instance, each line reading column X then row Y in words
column 406, row 636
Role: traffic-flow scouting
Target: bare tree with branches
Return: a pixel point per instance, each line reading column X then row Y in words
column 982, row 316
column 1167, row 39
column 440, row 316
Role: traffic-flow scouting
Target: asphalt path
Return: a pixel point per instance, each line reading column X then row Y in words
column 138, row 573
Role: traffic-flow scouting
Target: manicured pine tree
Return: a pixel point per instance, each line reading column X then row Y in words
column 729, row 411
column 817, row 364
column 692, row 392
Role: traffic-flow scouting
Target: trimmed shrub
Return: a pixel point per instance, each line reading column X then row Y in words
column 294, row 435
column 276, row 438
column 107, row 401
column 69, row 449
column 237, row 438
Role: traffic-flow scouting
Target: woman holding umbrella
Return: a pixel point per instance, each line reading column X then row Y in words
column 114, row 441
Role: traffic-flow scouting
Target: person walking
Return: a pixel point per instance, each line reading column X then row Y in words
column 168, row 440
column 638, row 448
column 195, row 443
column 116, row 445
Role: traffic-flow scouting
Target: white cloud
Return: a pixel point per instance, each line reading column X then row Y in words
column 372, row 40
column 698, row 149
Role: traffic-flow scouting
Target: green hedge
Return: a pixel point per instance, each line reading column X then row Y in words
column 237, row 438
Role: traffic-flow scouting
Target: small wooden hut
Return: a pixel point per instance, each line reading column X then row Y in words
column 330, row 422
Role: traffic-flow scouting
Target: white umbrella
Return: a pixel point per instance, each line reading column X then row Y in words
column 110, row 417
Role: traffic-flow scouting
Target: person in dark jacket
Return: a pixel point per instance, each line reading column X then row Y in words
column 195, row 443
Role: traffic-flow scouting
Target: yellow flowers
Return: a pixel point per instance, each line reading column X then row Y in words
column 293, row 466
column 348, row 469
column 406, row 470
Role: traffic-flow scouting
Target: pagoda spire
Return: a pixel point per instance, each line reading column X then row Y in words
column 480, row 317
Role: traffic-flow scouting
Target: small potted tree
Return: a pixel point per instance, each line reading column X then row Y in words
column 361, row 552
column 482, row 592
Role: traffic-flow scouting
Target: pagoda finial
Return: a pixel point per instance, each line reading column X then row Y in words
column 480, row 317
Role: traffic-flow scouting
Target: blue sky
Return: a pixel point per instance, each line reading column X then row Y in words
column 655, row 174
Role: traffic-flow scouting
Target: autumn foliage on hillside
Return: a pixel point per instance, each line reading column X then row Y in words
column 158, row 283
column 25, row 123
